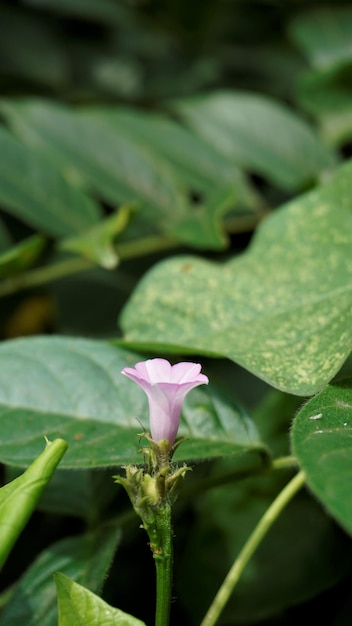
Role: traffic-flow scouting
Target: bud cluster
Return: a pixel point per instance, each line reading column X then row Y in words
column 153, row 489
column 155, row 485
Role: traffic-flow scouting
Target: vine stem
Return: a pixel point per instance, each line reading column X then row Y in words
column 74, row 265
column 125, row 250
column 163, row 557
column 250, row 547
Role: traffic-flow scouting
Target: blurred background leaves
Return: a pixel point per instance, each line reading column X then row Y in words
column 132, row 130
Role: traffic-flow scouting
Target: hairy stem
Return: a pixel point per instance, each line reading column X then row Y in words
column 250, row 547
column 162, row 548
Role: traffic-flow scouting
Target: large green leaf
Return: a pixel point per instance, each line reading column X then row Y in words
column 282, row 310
column 74, row 388
column 199, row 163
column 33, row 190
column 18, row 498
column 107, row 163
column 259, row 134
column 322, row 442
column 205, row 172
column 85, row 558
column 78, row 606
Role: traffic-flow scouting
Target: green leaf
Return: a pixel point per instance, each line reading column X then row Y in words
column 79, row 606
column 84, row 558
column 302, row 555
column 40, row 196
column 108, row 164
column 203, row 226
column 18, row 499
column 207, row 173
column 324, row 35
column 282, row 310
column 198, row 162
column 98, row 243
column 259, row 134
column 215, row 427
column 21, row 256
column 73, row 388
column 322, row 443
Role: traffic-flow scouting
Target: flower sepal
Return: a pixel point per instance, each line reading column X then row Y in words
column 152, row 491
column 147, row 491
column 159, row 454
column 174, row 482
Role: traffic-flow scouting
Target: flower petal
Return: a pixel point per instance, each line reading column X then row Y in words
column 137, row 377
column 186, row 372
column 159, row 370
column 166, row 386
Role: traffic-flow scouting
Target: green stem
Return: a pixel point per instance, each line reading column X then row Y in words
column 43, row 275
column 162, row 548
column 285, row 462
column 147, row 245
column 250, row 547
column 67, row 267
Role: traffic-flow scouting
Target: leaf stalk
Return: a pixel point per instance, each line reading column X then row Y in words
column 249, row 548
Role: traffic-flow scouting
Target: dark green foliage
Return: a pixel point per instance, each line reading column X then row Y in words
column 175, row 181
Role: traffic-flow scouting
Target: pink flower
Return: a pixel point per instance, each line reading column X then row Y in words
column 166, row 386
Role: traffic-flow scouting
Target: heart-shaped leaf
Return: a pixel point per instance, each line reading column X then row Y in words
column 322, row 442
column 282, row 310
